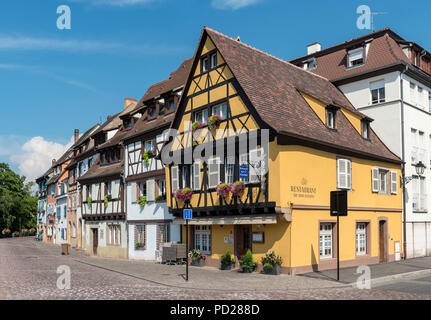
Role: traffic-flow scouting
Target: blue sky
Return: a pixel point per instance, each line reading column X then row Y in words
column 53, row 81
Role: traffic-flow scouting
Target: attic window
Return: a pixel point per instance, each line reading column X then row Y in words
column 355, row 57
column 330, row 117
column 209, row 61
column 311, row 64
column 205, row 65
column 152, row 112
column 213, row 60
column 365, row 129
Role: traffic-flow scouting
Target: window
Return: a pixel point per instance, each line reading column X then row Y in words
column 257, row 165
column 174, row 178
column 365, row 129
column 384, row 181
column 163, row 234
column 361, row 238
column 344, row 174
column 220, row 110
column 213, row 60
column 161, row 185
column 142, row 189
column 201, row 116
column 330, row 118
column 421, row 97
column 419, row 194
column 109, row 188
column 114, row 235
column 196, row 176
column 429, row 101
column 325, row 240
column 203, row 239
column 355, row 57
column 205, row 64
column 186, row 175
column 213, row 172
column 377, row 92
column 229, row 170
column 413, row 93
column 149, row 145
column 151, row 112
column 140, row 236
column 171, row 106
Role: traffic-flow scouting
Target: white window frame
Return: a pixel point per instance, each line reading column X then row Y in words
column 379, row 88
column 361, row 238
column 220, row 110
column 213, row 62
column 358, row 54
column 325, row 237
column 229, row 170
column 201, row 116
column 203, row 234
column 196, row 175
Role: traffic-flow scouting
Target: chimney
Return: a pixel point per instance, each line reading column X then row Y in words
column 53, row 162
column 128, row 101
column 76, row 135
column 313, row 48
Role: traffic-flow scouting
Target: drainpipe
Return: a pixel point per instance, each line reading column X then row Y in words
column 403, row 166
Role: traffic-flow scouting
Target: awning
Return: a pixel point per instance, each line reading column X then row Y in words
column 245, row 219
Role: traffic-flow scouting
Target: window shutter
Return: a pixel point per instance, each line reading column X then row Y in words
column 375, row 179
column 174, row 178
column 197, row 176
column 134, row 192
column 213, row 172
column 341, row 174
column 151, row 190
column 394, row 182
column 349, row 174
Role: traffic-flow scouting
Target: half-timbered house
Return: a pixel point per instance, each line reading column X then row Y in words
column 102, row 191
column 42, row 203
column 260, row 145
column 149, row 222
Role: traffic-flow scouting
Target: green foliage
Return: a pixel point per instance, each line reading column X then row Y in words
column 142, row 201
column 247, row 262
column 147, row 155
column 159, row 197
column 227, row 258
column 270, row 260
column 16, row 201
column 106, row 200
column 89, row 200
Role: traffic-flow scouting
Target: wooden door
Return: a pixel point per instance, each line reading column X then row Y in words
column 95, row 241
column 244, row 239
column 382, row 241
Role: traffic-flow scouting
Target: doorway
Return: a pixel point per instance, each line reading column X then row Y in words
column 243, row 240
column 95, row 240
column 382, row 242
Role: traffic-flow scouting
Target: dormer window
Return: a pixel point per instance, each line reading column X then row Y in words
column 330, row 117
column 311, row 64
column 365, row 129
column 205, row 64
column 127, row 123
column 355, row 57
column 152, row 112
column 171, row 106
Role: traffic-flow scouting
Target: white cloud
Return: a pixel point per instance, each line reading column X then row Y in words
column 232, row 4
column 25, row 43
column 116, row 3
column 34, row 156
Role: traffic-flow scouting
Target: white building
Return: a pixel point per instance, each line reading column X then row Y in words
column 389, row 80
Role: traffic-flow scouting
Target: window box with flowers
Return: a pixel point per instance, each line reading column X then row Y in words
column 223, row 189
column 183, row 194
column 271, row 263
column 198, row 258
column 213, row 121
column 196, row 125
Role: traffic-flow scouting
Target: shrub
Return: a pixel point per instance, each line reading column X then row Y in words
column 195, row 254
column 247, row 262
column 226, row 258
column 89, row 200
column 106, row 200
column 270, row 260
column 159, row 197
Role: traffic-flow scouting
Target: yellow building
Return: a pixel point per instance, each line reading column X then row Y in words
column 295, row 138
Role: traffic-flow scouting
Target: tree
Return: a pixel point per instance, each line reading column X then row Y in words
column 16, row 200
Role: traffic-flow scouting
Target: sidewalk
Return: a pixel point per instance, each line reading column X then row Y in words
column 379, row 272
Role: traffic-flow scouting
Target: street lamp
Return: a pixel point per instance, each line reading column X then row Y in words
column 420, row 169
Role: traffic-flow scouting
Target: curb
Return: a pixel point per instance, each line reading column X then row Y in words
column 390, row 278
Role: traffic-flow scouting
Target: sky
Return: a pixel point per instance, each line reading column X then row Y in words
column 53, row 80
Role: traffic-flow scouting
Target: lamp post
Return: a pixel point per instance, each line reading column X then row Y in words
column 420, row 169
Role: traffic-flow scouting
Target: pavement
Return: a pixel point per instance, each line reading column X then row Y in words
column 29, row 270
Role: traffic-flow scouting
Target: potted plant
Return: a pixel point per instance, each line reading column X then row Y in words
column 213, row 121
column 183, row 194
column 139, row 245
column 6, row 232
column 15, row 234
column 89, row 200
column 271, row 263
column 226, row 261
column 160, row 197
column 106, row 200
column 196, row 125
column 247, row 264
column 198, row 258
column 142, row 201
column 24, row 232
column 147, row 155
column 223, row 189
column 237, row 187
column 32, row 231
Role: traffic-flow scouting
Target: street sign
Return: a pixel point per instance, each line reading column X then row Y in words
column 243, row 171
column 188, row 214
column 339, row 203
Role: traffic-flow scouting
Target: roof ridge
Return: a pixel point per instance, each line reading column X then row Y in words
column 266, row 53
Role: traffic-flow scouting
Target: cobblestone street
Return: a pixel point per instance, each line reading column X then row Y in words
column 28, row 270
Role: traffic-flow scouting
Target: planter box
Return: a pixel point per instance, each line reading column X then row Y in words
column 246, row 270
column 274, row 271
column 226, row 266
column 198, row 263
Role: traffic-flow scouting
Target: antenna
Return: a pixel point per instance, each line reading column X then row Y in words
column 372, row 14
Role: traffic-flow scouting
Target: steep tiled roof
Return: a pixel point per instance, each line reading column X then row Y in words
column 383, row 51
column 85, row 136
column 273, row 86
column 97, row 171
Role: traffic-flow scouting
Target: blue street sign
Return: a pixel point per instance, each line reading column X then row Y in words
column 188, row 214
column 243, row 171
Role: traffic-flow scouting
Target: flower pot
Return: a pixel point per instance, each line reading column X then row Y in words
column 198, row 263
column 275, row 270
column 246, row 270
column 226, row 266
